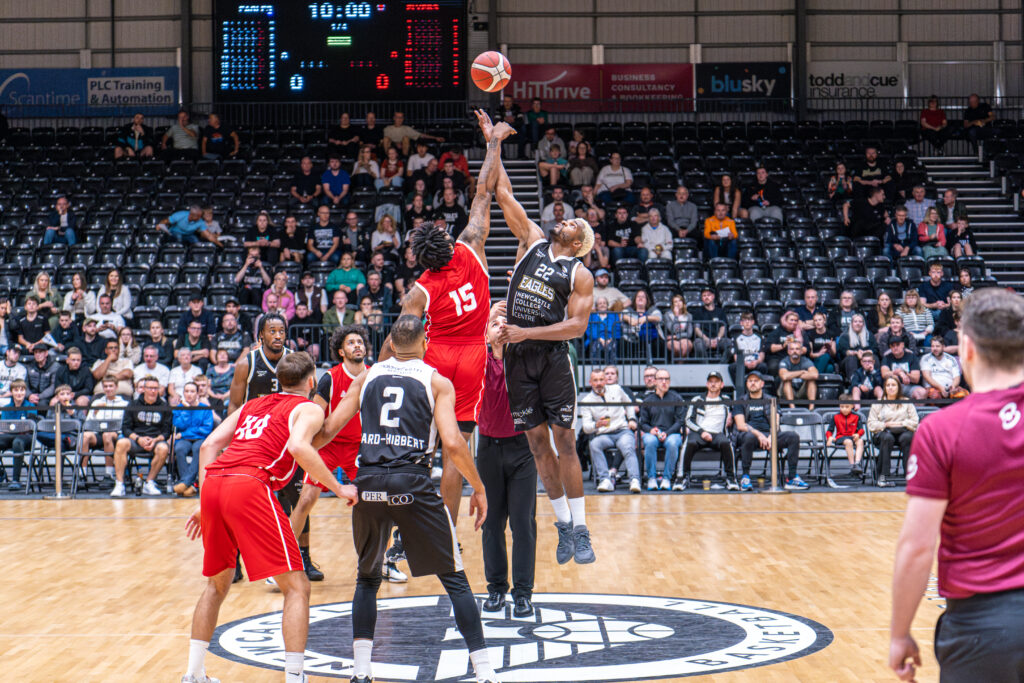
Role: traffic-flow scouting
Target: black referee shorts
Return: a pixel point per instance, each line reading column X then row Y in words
column 981, row 638
column 406, row 499
column 541, row 386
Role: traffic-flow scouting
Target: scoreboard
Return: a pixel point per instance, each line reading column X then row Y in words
column 323, row 51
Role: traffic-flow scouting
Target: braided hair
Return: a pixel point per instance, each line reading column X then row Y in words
column 432, row 247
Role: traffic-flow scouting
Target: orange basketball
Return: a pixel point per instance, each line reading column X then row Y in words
column 491, row 71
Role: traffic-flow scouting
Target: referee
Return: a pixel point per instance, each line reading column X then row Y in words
column 971, row 498
column 509, row 474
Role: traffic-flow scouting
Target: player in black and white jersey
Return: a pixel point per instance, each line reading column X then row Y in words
column 404, row 406
column 549, row 301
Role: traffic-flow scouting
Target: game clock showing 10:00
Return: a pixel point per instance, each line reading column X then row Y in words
column 323, row 51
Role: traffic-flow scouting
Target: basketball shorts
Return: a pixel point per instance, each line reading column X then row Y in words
column 541, row 385
column 406, row 499
column 464, row 365
column 240, row 514
column 337, row 454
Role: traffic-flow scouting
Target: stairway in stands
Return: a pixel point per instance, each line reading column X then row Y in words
column 501, row 245
column 997, row 228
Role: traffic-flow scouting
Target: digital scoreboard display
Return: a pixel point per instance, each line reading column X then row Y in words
column 323, row 51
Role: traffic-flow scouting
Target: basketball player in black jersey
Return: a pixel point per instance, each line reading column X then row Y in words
column 255, row 376
column 404, row 405
column 550, row 297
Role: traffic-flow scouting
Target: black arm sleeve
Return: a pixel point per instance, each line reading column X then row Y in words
column 324, row 387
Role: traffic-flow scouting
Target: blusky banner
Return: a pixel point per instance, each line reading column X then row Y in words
column 88, row 92
column 617, row 87
column 744, row 80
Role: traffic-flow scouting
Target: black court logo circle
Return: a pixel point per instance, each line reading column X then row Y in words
column 570, row 637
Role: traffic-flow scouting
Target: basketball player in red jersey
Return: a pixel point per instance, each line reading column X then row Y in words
column 454, row 294
column 238, row 511
column 965, row 474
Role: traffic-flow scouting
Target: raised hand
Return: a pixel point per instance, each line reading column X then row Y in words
column 486, row 127
column 502, row 131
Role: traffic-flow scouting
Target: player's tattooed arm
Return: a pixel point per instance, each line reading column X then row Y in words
column 479, row 226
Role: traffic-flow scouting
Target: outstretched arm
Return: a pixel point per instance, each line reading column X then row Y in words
column 413, row 303
column 479, row 225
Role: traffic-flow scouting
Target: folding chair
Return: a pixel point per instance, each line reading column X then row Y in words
column 41, row 454
column 810, row 428
column 86, row 456
column 23, row 428
column 826, row 415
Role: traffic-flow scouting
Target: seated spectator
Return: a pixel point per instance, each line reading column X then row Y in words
column 48, row 298
column 901, row 186
column 343, row 139
column 866, row 216
column 186, row 227
column 220, row 375
column 306, row 187
column 940, row 372
column 840, row 186
column 62, row 403
column 198, row 343
column 365, row 171
column 92, row 344
column 128, row 347
column 79, row 300
column 184, row 137
column 614, row 181
column 661, row 425
column 205, row 398
column 418, row 162
column 510, row 112
column 952, row 338
column 400, row 136
column 314, row 296
column 681, row 215
column 383, row 268
column 212, row 227
column 161, row 342
column 547, row 215
column 708, row 420
column 418, row 207
column 323, row 239
column 536, row 120
column 853, row 344
column 612, row 427
column 449, row 177
column 152, row 367
column 603, row 289
column 231, row 306
column 582, row 166
column 545, row 142
column 748, row 348
column 677, row 325
column 917, row 319
column 335, row 183
column 839, row 318
column 932, row 235
column 934, row 125
column 871, row 174
column 978, row 118
column 197, row 312
column 954, row 305
column 778, row 339
column 134, row 140
column 917, row 207
column 407, row 273
column 845, row 430
column 588, row 201
column 822, row 348
column 385, row 239
column 935, row 291
column 896, row 330
column 41, row 376
column 727, row 193
column 231, row 338
column 754, row 428
column 554, row 168
column 17, row 443
column 285, row 299
column 193, row 426
column 252, row 278
column 309, row 337
column 371, row 134
column 577, row 138
column 378, row 293
column 656, row 237
column 460, row 165
column 640, row 212
column 953, row 214
column 798, row 378
column 265, row 237
column 146, row 434
column 73, row 374
column 623, row 237
column 600, row 254
column 643, row 323
column 891, row 424
column 339, row 314
column 371, row 317
column 866, row 380
column 810, row 308
column 61, row 223
column 11, row 369
column 709, row 327
column 219, row 140
column 764, row 198
column 181, row 374
column 905, row 368
column 31, row 328
column 113, row 364
column 604, row 330
column 392, row 171
column 450, row 213
column 720, row 235
column 107, row 411
column 901, row 237
column 293, row 241
column 345, row 277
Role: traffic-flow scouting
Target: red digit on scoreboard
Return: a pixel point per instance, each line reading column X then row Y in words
column 383, row 82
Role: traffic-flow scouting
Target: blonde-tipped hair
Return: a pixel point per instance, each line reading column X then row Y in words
column 586, row 236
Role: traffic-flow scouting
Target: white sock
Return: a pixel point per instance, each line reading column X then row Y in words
column 561, row 509
column 293, row 662
column 482, row 664
column 197, row 657
column 362, row 650
column 579, row 511
column 108, row 470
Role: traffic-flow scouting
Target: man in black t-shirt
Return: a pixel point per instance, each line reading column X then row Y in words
column 753, row 426
column 371, row 134
column 323, row 241
column 871, row 174
column 306, row 186
column 31, row 327
column 231, row 338
column 709, row 327
column 219, row 139
column 869, row 217
column 621, row 235
column 451, row 214
column 978, row 117
column 777, row 339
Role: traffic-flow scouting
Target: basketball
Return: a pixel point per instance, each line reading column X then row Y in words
column 491, row 71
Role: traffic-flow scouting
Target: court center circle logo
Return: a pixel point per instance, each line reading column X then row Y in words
column 570, row 637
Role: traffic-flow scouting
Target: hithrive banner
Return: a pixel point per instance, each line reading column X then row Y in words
column 860, row 80
column 614, row 87
column 88, row 92
column 744, row 80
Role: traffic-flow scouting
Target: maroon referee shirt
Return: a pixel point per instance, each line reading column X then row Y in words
column 495, row 415
column 972, row 455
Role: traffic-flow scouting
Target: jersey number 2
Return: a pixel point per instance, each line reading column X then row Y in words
column 397, row 394
column 465, row 299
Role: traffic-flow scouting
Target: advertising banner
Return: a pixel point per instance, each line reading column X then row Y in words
column 853, row 80
column 607, row 87
column 88, row 92
column 744, row 80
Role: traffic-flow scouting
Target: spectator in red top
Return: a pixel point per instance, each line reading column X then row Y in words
column 934, row 126
column 846, row 430
column 969, row 497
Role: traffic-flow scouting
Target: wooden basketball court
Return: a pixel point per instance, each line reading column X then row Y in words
column 102, row 590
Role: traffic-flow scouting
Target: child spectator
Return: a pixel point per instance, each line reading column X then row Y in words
column 846, row 430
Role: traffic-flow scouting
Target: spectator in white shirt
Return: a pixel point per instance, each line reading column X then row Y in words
column 917, row 208
column 420, row 160
column 106, row 412
column 940, row 371
column 108, row 322
column 656, row 236
column 611, row 426
column 150, row 365
column 557, row 197
column 614, row 181
column 182, row 373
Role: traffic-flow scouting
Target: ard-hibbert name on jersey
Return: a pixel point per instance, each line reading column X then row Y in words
column 389, row 439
